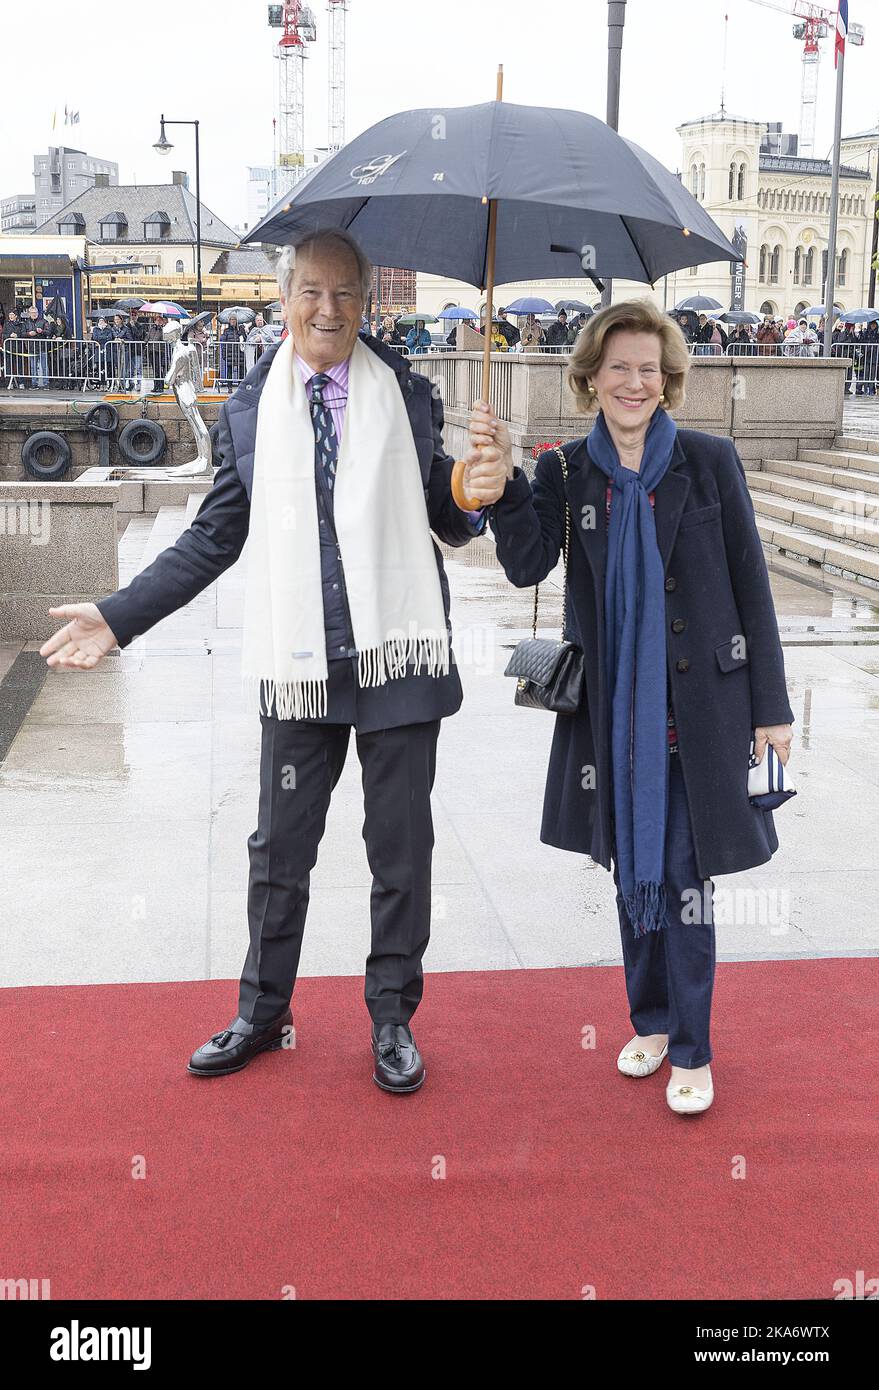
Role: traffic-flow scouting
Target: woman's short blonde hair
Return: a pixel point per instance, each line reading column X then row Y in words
column 634, row 316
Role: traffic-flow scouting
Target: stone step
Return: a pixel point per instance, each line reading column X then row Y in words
column 823, row 473
column 858, row 443
column 167, row 524
column 844, row 500
column 861, row 459
column 852, row 529
column 132, row 543
column 837, row 557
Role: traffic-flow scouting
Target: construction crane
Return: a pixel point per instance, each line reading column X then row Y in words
column 816, row 23
column 336, row 11
column 298, row 29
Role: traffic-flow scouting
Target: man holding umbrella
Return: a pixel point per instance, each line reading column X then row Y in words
column 332, row 460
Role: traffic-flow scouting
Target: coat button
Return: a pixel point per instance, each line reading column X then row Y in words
column 678, row 625
column 670, row 584
column 682, row 665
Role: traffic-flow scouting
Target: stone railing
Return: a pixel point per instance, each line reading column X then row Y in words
column 768, row 406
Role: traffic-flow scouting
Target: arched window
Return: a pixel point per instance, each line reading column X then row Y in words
column 775, row 264
column 694, row 180
column 178, row 268
column 732, row 178
column 797, row 257
column 841, row 267
column 740, row 185
column 702, row 183
column 764, row 252
column 809, row 266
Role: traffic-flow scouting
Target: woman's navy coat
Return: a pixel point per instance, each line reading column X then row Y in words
column 717, row 593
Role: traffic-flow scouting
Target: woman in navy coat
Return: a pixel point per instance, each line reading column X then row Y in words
column 695, row 554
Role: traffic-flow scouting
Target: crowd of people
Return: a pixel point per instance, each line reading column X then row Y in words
column 792, row 337
column 123, row 351
column 533, row 336
column 126, row 351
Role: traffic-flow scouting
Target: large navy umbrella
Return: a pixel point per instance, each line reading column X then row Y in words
column 500, row 193
column 572, row 196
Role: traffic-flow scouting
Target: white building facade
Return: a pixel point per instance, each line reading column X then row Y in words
column 764, row 197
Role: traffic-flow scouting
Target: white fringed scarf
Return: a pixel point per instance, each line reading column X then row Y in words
column 388, row 559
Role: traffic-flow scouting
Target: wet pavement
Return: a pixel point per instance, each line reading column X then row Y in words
column 128, row 793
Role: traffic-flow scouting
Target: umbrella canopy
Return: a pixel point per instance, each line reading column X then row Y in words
column 572, row 198
column 457, row 313
column 418, row 318
column 166, row 308
column 242, row 314
column 106, row 313
column 131, row 301
column 530, row 304
column 573, row 306
column 274, row 307
column 700, row 302
column 740, row 316
column 859, row 316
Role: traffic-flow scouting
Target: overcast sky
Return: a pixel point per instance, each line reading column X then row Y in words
column 122, row 64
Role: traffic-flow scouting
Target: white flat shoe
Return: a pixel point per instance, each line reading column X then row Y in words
column 634, row 1061
column 689, row 1100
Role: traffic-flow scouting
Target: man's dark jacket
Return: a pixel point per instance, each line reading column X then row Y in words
column 217, row 534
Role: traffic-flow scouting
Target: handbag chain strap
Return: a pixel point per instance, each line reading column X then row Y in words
column 565, row 549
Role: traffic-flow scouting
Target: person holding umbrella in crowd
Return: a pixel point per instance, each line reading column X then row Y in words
column 258, row 339
column 557, row 333
column 418, row 339
column 232, row 341
column 532, row 334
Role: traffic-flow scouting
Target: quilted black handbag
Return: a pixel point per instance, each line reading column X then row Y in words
column 549, row 673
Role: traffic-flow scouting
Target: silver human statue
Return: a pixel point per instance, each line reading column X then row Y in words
column 184, row 375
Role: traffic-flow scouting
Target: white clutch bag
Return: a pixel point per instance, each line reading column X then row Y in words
column 769, row 784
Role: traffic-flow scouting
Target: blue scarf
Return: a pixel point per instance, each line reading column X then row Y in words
column 634, row 613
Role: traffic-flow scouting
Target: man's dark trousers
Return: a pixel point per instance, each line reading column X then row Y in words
column 300, row 764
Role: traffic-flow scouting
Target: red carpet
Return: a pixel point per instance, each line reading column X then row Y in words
column 560, row 1173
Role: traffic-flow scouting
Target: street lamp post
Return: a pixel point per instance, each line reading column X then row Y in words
column 616, row 19
column 163, row 146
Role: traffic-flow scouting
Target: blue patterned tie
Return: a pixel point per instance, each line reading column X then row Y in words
column 326, row 444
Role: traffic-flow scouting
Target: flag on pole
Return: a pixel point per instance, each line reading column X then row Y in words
column 841, row 30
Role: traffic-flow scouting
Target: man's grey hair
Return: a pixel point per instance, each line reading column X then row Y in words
column 312, row 242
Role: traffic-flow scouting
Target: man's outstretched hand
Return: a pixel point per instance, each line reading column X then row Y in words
column 82, row 642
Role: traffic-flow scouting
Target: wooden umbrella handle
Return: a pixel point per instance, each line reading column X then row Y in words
column 459, row 491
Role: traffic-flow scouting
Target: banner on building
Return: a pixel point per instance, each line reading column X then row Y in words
column 738, row 268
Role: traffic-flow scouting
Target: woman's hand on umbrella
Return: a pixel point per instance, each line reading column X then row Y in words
column 779, row 736
column 489, row 459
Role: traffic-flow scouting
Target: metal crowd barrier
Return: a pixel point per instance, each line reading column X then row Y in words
column 141, row 366
column 36, row 363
